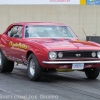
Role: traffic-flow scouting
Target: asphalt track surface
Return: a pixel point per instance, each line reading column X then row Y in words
column 52, row 86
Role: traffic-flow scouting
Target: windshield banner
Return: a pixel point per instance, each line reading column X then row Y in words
column 30, row 2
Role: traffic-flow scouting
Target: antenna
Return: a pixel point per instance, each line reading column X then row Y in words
column 84, row 32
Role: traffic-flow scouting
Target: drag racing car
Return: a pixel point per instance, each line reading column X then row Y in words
column 47, row 46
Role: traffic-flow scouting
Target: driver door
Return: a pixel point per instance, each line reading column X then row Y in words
column 13, row 41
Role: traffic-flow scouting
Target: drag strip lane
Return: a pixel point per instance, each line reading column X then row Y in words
column 67, row 86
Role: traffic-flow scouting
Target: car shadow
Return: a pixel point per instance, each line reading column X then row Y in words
column 66, row 77
column 54, row 77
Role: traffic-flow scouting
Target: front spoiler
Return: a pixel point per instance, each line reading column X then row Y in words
column 70, row 62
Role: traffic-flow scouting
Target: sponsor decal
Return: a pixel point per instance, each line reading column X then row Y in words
column 18, row 45
column 35, row 2
column 59, row 0
column 93, row 2
column 12, row 58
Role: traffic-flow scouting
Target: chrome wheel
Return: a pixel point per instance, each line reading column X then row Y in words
column 32, row 67
column 34, row 70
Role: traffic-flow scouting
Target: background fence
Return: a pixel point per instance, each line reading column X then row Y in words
column 83, row 19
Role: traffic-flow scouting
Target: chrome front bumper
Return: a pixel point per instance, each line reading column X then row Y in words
column 70, row 62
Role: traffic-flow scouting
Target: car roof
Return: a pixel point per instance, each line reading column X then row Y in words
column 39, row 23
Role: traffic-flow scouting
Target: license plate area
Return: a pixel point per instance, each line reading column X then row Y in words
column 78, row 66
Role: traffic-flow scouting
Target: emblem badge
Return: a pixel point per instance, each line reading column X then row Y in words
column 78, row 55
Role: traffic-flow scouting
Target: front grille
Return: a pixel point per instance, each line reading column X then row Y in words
column 78, row 54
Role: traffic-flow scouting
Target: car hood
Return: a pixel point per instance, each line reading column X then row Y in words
column 67, row 44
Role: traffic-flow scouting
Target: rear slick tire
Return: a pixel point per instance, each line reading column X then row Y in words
column 5, row 64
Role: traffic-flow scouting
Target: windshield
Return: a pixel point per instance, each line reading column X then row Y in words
column 48, row 32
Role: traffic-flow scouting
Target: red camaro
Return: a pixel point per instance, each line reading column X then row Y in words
column 47, row 46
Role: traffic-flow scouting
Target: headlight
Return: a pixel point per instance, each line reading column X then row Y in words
column 60, row 54
column 52, row 55
column 93, row 54
column 98, row 54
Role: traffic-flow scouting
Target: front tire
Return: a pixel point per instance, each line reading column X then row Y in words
column 92, row 73
column 5, row 64
column 34, row 69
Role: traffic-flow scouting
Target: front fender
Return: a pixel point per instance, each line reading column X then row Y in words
column 40, row 52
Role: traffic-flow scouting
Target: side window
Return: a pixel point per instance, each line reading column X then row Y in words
column 19, row 32
column 15, row 31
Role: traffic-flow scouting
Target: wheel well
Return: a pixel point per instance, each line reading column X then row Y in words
column 28, row 53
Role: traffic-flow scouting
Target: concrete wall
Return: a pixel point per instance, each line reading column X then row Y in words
column 76, row 16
